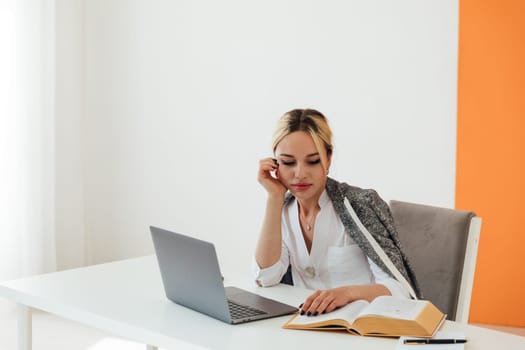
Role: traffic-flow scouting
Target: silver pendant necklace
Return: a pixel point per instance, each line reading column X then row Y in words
column 307, row 225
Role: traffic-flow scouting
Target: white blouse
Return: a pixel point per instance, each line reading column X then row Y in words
column 334, row 260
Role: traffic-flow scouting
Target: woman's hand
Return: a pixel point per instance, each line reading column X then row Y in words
column 323, row 301
column 273, row 186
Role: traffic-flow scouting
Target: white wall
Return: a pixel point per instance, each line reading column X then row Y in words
column 27, row 155
column 181, row 98
column 69, row 106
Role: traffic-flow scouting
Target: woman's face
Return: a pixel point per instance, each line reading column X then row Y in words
column 300, row 167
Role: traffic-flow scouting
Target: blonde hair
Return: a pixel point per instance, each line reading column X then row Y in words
column 313, row 123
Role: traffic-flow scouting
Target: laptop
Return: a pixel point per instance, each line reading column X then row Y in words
column 192, row 278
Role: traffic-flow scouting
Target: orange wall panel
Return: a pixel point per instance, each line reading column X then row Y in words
column 490, row 173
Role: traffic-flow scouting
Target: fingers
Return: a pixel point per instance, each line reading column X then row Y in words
column 306, row 308
column 268, row 177
column 331, row 306
column 320, row 302
column 267, row 165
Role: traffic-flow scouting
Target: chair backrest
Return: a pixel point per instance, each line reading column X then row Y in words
column 441, row 245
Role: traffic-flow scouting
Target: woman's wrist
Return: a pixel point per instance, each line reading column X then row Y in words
column 349, row 293
column 364, row 292
column 275, row 199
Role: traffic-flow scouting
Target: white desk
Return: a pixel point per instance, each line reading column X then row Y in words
column 126, row 298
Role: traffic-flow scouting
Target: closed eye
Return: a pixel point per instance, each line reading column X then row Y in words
column 293, row 162
column 288, row 163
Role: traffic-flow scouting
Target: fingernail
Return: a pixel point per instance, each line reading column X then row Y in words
column 316, row 313
column 302, row 312
column 324, row 312
column 308, row 313
column 300, row 306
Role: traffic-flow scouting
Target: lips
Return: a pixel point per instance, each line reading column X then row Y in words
column 301, row 186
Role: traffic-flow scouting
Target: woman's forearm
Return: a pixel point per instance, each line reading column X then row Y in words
column 268, row 250
column 366, row 292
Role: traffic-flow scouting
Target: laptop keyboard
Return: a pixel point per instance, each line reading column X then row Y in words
column 238, row 311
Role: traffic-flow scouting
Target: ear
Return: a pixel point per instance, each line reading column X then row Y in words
column 328, row 162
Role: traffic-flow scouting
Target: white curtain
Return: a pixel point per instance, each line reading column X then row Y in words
column 27, row 164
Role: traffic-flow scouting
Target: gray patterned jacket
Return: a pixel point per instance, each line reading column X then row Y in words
column 375, row 215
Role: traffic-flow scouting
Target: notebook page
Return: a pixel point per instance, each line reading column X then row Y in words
column 400, row 308
column 348, row 312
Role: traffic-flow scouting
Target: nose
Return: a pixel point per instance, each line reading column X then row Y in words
column 300, row 171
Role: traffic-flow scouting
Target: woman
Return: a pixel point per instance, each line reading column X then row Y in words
column 307, row 231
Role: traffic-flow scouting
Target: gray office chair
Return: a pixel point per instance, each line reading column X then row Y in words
column 441, row 245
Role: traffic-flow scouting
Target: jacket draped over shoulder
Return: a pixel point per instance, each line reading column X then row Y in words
column 375, row 215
